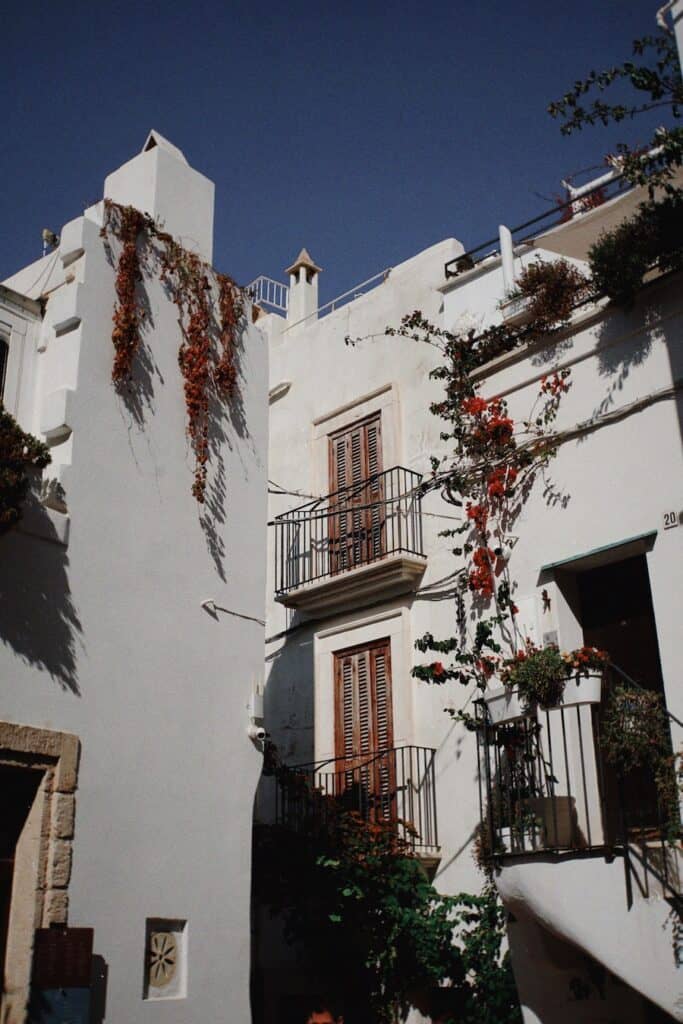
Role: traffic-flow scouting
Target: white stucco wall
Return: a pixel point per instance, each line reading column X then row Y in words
column 333, row 385
column 620, row 479
column 105, row 636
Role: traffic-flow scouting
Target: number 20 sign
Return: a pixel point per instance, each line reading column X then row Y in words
column 671, row 519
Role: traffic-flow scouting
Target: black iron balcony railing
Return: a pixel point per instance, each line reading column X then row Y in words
column 360, row 524
column 395, row 788
column 545, row 786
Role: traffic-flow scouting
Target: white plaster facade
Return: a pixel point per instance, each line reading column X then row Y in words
column 620, row 479
column 571, row 918
column 103, row 637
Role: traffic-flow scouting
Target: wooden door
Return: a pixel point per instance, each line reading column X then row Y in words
column 357, row 514
column 364, row 734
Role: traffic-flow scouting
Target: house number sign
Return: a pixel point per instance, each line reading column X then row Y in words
column 671, row 519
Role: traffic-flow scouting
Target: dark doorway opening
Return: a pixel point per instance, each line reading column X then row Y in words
column 18, row 788
column 617, row 616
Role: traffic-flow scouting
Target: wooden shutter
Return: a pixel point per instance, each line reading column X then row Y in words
column 355, row 454
column 364, row 727
column 357, row 511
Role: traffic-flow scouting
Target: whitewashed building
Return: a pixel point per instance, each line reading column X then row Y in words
column 355, row 579
column 126, row 773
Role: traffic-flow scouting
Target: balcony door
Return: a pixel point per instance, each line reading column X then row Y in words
column 364, row 733
column 617, row 616
column 357, row 514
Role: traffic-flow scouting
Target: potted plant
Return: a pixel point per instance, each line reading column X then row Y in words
column 546, row 678
column 546, row 293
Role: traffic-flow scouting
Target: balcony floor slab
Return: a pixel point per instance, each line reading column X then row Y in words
column 388, row 577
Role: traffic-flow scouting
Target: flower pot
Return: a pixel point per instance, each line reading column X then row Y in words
column 516, row 311
column 557, row 816
column 505, row 704
column 582, row 690
column 517, row 840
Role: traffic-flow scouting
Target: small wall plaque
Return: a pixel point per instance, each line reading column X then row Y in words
column 165, row 958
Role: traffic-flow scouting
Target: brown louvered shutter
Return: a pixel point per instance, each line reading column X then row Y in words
column 364, row 728
column 357, row 511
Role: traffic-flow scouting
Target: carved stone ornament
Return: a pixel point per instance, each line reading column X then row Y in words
column 163, row 958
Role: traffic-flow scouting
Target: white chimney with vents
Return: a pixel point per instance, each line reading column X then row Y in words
column 303, row 288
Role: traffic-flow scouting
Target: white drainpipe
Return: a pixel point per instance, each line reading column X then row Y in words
column 507, row 258
column 676, row 8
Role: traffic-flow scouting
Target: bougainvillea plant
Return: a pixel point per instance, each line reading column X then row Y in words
column 488, row 472
column 654, row 75
column 20, row 455
column 210, row 313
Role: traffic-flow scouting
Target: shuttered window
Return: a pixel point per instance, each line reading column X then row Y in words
column 357, row 523
column 364, row 725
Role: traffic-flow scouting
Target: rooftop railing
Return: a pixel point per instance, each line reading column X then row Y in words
column 357, row 525
column 270, row 294
column 581, row 201
column 393, row 788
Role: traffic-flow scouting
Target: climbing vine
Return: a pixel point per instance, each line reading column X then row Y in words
column 210, row 314
column 128, row 223
column 489, row 470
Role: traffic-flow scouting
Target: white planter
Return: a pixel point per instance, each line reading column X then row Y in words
column 505, row 704
column 516, row 311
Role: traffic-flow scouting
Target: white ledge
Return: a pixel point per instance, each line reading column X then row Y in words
column 387, row 577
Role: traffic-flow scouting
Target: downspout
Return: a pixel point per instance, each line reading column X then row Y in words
column 675, row 7
column 507, row 259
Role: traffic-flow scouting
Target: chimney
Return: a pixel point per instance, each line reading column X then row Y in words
column 303, row 288
column 159, row 181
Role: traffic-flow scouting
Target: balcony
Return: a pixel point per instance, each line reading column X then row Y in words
column 360, row 544
column 546, row 787
column 395, row 788
column 574, row 842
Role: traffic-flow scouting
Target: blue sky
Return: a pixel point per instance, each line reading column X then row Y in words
column 364, row 131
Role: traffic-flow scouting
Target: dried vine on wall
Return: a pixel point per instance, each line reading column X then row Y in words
column 210, row 314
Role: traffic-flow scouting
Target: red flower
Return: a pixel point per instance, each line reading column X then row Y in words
column 437, row 669
column 555, row 385
column 479, row 515
column 486, row 666
column 500, row 481
column 481, row 577
column 474, row 406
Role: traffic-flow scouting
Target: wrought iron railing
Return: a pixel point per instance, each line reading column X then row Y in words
column 579, row 201
column 394, row 788
column 545, row 786
column 359, row 524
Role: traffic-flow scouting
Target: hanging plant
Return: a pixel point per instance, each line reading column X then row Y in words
column 650, row 239
column 553, row 289
column 210, row 314
column 20, row 454
column 635, row 734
